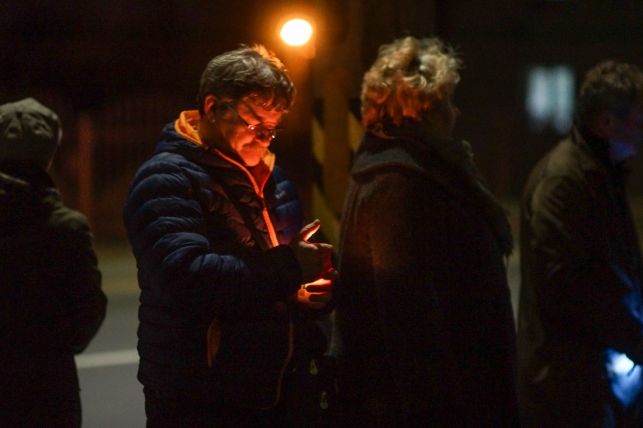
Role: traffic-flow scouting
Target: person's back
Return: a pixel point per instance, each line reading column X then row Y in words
column 51, row 304
column 579, row 315
column 423, row 309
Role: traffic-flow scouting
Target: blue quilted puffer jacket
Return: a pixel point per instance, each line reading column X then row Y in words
column 215, row 275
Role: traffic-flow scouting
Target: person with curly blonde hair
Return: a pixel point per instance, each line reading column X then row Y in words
column 411, row 79
column 424, row 323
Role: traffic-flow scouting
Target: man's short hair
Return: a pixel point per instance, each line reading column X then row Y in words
column 409, row 78
column 249, row 71
column 608, row 86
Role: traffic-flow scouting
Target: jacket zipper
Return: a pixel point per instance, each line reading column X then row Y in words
column 259, row 192
column 274, row 241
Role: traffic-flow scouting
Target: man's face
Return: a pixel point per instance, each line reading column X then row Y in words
column 625, row 134
column 248, row 129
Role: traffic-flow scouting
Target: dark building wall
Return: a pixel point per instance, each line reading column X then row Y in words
column 89, row 55
column 383, row 21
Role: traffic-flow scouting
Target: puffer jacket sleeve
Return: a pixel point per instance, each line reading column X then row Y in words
column 176, row 252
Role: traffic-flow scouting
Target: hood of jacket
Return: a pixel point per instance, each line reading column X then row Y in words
column 29, row 132
column 182, row 137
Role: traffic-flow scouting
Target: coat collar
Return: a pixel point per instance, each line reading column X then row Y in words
column 596, row 154
column 186, row 126
column 446, row 163
column 377, row 152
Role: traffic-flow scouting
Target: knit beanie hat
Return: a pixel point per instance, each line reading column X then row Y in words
column 29, row 131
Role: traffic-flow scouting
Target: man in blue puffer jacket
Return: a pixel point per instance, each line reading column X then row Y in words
column 215, row 228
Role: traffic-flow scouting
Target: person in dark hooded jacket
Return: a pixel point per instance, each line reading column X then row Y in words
column 216, row 228
column 580, row 319
column 51, row 303
column 424, row 315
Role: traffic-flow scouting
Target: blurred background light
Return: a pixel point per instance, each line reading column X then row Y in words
column 550, row 98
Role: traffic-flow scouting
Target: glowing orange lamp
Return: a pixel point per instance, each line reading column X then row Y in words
column 296, row 32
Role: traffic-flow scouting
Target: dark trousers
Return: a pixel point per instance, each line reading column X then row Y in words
column 171, row 409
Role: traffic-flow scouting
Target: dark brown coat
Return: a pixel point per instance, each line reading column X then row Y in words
column 581, row 285
column 51, row 303
column 423, row 311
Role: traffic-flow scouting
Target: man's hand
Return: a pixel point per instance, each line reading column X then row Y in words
column 316, row 267
column 317, row 294
column 314, row 258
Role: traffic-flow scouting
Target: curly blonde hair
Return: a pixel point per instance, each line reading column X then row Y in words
column 409, row 78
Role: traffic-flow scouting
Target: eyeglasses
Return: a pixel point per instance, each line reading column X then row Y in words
column 260, row 130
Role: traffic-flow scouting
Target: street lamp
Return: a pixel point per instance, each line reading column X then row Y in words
column 296, row 32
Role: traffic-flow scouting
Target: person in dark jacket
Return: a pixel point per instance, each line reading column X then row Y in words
column 215, row 227
column 424, row 316
column 51, row 303
column 580, row 322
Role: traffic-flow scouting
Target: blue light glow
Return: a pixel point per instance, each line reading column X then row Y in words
column 625, row 377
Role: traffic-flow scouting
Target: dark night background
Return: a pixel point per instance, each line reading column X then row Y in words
column 128, row 67
column 116, row 71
